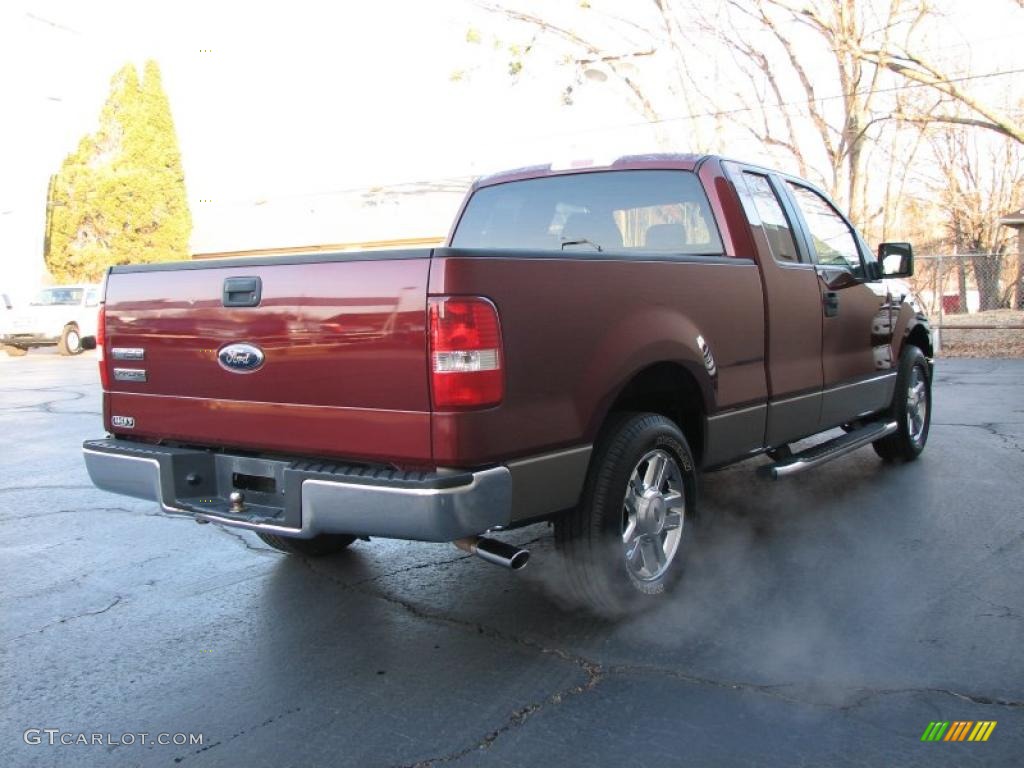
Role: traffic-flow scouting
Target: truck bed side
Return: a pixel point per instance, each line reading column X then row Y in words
column 578, row 328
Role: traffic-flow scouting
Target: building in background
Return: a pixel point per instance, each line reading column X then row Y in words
column 1016, row 221
column 416, row 214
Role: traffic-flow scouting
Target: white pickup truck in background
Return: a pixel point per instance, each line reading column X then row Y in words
column 60, row 315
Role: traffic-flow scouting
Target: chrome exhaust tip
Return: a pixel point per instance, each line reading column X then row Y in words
column 493, row 551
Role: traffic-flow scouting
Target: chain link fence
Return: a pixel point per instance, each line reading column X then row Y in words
column 975, row 300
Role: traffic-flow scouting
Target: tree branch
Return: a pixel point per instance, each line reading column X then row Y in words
column 952, row 119
column 572, row 37
column 920, row 71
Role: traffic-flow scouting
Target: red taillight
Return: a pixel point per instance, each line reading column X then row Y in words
column 466, row 365
column 101, row 340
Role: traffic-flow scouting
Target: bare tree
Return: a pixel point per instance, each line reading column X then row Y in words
column 908, row 61
column 838, row 104
column 822, row 82
column 587, row 51
column 758, row 94
column 979, row 181
column 767, row 63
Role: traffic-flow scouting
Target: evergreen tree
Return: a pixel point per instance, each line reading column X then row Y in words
column 119, row 198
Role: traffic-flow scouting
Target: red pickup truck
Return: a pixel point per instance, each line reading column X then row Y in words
column 585, row 343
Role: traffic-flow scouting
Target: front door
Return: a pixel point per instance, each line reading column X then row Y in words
column 856, row 337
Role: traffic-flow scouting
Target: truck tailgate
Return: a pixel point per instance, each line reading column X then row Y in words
column 343, row 336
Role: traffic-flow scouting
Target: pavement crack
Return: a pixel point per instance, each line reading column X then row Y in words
column 767, row 689
column 974, row 698
column 238, row 536
column 992, row 428
column 778, row 690
column 310, row 565
column 22, row 488
column 238, row 734
column 593, row 671
column 84, row 510
column 1004, row 611
column 48, row 406
column 65, row 620
column 398, row 571
column 514, row 720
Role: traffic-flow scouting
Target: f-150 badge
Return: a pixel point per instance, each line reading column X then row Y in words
column 240, row 358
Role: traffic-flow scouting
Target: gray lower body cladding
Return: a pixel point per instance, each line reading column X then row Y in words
column 304, row 498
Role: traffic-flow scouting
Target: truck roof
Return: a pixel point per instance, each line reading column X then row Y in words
column 661, row 160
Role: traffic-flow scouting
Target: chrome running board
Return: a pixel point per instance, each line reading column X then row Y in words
column 823, row 453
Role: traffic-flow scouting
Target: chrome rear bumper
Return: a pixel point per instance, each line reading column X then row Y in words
column 304, row 498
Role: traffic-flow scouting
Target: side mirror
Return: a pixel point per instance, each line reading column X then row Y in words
column 896, row 259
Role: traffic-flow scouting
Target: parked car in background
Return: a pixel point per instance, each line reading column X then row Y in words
column 60, row 315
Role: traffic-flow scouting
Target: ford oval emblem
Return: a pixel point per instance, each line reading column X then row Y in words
column 240, row 358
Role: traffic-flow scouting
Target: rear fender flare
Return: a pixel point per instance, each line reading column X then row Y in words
column 657, row 335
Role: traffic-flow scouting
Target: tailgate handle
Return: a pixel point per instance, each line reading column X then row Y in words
column 242, row 291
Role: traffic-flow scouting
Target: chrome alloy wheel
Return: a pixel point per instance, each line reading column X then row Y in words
column 917, row 405
column 653, row 514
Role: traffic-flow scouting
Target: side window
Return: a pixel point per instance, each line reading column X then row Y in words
column 773, row 218
column 832, row 239
column 92, row 298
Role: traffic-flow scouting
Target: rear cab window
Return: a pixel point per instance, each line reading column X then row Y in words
column 641, row 212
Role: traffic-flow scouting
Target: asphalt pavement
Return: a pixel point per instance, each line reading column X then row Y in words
column 826, row 619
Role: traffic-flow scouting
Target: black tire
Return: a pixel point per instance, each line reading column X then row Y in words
column 907, row 442
column 592, row 537
column 15, row 351
column 70, row 341
column 318, row 546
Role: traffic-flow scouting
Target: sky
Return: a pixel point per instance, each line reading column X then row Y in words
column 282, row 107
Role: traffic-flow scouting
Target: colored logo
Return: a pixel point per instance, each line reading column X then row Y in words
column 959, row 730
column 240, row 358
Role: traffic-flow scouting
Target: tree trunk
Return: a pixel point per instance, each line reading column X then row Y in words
column 856, row 202
column 961, row 273
column 987, row 269
column 48, row 225
column 1020, row 268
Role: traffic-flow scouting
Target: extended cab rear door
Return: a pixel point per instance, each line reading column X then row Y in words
column 792, row 305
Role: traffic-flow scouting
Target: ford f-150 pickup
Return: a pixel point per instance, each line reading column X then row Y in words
column 585, row 343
